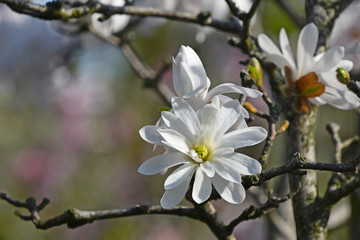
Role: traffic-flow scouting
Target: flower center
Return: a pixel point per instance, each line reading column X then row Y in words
column 201, row 151
column 308, row 86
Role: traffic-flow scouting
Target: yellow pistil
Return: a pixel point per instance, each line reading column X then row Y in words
column 201, row 151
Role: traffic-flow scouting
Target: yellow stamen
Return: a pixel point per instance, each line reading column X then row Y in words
column 201, row 151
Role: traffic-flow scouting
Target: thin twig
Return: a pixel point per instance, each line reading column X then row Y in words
column 253, row 212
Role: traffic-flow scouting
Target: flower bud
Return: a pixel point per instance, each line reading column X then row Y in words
column 248, row 106
column 255, row 71
column 283, row 127
column 164, row 108
column 342, row 75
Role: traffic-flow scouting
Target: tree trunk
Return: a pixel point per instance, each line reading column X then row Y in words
column 310, row 224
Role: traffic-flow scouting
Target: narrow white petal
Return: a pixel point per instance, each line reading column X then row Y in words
column 346, row 64
column 173, row 197
column 280, row 61
column 239, row 124
column 306, row 47
column 151, row 135
column 180, row 83
column 198, row 92
column 228, row 114
column 329, row 60
column 245, row 165
column 188, row 72
column 164, row 161
column 196, row 74
column 267, row 45
column 317, row 101
column 232, row 88
column 175, row 140
column 345, row 100
column 208, row 169
column 179, row 175
column 202, row 187
column 226, row 169
column 176, row 123
column 184, row 111
column 243, row 137
column 218, row 152
column 196, row 68
column 229, row 191
column 285, row 48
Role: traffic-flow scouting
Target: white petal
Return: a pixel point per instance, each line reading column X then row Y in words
column 179, row 175
column 208, row 169
column 280, row 61
column 347, row 100
column 229, row 191
column 175, row 140
column 232, row 88
column 208, row 121
column 173, row 197
column 239, row 124
column 267, row 45
column 198, row 92
column 243, row 137
column 285, row 48
column 164, row 161
column 246, row 165
column 151, row 135
column 317, row 101
column 330, row 59
column 175, row 123
column 188, row 72
column 218, row 152
column 228, row 114
column 226, row 169
column 306, row 47
column 346, row 64
column 184, row 111
column 202, row 187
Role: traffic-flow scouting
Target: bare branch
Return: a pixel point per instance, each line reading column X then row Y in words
column 56, row 10
column 299, row 162
column 74, row 218
column 252, row 212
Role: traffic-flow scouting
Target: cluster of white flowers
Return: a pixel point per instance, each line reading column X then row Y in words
column 312, row 77
column 201, row 133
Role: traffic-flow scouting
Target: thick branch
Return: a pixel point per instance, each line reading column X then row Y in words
column 74, row 218
column 56, row 10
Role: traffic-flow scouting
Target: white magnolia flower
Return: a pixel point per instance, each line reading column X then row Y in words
column 313, row 78
column 114, row 24
column 203, row 145
column 191, row 82
column 346, row 32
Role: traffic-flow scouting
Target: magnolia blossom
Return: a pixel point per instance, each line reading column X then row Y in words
column 202, row 144
column 114, row 24
column 346, row 32
column 312, row 78
column 192, row 84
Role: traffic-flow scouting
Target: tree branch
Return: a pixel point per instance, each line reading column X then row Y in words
column 299, row 162
column 252, row 212
column 74, row 218
column 56, row 10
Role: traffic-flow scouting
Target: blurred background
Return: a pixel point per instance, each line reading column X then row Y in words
column 71, row 107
